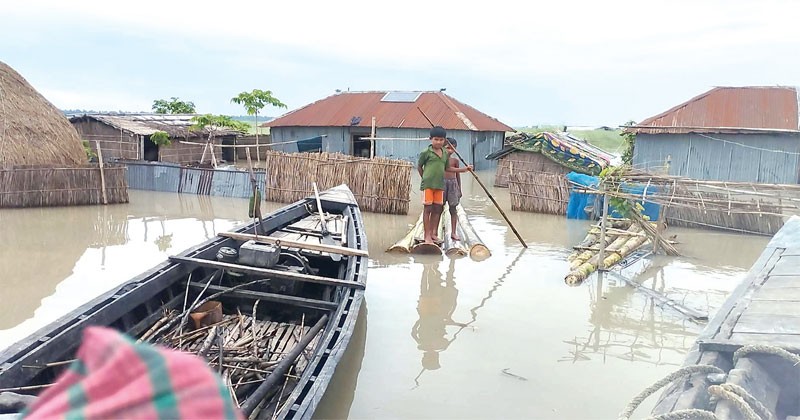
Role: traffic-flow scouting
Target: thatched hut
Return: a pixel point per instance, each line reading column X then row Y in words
column 128, row 137
column 34, row 131
column 534, row 166
column 42, row 159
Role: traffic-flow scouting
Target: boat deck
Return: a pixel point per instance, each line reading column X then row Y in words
column 765, row 308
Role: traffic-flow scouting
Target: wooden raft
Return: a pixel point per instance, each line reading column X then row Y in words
column 470, row 243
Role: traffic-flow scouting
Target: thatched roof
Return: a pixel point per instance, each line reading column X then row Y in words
column 175, row 125
column 32, row 130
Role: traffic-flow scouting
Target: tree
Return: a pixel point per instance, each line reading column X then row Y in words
column 212, row 124
column 630, row 140
column 255, row 101
column 173, row 106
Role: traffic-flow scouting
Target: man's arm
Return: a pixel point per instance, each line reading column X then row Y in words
column 421, row 163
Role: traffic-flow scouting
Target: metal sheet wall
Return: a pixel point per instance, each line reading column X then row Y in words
column 171, row 178
column 762, row 158
column 473, row 146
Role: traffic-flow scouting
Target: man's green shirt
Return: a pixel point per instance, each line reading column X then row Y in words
column 433, row 168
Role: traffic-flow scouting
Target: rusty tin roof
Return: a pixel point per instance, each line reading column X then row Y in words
column 391, row 110
column 748, row 109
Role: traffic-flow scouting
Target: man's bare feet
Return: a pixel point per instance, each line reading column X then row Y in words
column 436, row 239
column 455, row 237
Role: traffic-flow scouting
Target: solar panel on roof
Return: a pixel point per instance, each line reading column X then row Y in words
column 401, row 96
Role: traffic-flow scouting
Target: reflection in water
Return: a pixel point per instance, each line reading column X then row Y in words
column 437, row 302
column 628, row 325
column 61, row 257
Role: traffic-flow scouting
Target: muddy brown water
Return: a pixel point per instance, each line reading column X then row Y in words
column 437, row 337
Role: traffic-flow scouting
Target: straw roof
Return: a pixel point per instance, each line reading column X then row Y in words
column 32, row 130
column 175, row 125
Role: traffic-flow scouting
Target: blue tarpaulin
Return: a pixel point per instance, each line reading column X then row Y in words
column 578, row 201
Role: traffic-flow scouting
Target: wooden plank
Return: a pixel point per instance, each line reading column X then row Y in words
column 767, row 324
column 781, row 281
column 267, row 272
column 718, row 325
column 272, row 297
column 764, row 307
column 331, row 249
column 788, row 342
column 778, row 293
column 787, row 265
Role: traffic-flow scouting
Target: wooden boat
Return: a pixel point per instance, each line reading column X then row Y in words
column 275, row 280
column 745, row 363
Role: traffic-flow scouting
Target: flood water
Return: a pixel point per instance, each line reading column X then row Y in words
column 437, row 337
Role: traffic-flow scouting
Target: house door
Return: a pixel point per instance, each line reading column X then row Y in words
column 361, row 147
column 150, row 150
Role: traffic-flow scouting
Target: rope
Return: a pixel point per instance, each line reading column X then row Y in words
column 749, row 406
column 692, row 413
column 686, row 370
column 759, row 409
column 736, row 400
column 765, row 349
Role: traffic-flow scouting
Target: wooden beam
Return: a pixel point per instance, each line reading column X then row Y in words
column 272, row 297
column 267, row 272
column 331, row 249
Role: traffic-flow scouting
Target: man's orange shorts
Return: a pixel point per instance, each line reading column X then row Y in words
column 431, row 196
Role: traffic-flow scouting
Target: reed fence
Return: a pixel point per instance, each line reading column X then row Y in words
column 37, row 186
column 380, row 185
column 764, row 222
column 539, row 192
column 519, row 162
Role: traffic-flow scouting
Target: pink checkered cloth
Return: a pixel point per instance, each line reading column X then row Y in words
column 114, row 377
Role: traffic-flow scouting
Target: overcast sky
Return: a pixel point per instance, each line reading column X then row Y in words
column 524, row 63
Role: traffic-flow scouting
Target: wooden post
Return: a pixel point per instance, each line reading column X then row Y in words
column 603, row 223
column 372, row 140
column 213, row 158
column 102, row 172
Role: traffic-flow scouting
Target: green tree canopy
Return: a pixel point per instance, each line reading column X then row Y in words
column 255, row 100
column 173, row 106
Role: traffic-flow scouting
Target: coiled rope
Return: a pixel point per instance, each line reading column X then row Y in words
column 684, row 371
column 749, row 406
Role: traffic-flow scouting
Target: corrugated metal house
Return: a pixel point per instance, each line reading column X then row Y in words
column 748, row 134
column 343, row 123
column 127, row 137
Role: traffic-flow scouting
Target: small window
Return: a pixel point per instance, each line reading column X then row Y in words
column 401, row 97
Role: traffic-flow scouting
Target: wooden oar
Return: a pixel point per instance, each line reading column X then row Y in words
column 327, row 239
column 481, row 184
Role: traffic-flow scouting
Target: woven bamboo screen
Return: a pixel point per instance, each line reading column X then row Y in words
column 539, row 192
column 43, row 186
column 380, row 185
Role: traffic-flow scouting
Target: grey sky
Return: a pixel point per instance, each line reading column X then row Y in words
column 566, row 62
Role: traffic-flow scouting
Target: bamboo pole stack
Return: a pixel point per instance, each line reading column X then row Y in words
column 585, row 258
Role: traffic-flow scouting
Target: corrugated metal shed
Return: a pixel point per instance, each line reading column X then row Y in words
column 762, row 158
column 176, row 125
column 356, row 109
column 749, row 109
column 173, row 178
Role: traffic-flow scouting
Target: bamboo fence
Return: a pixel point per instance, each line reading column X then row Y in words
column 521, row 161
column 380, row 185
column 539, row 192
column 35, row 186
column 725, row 205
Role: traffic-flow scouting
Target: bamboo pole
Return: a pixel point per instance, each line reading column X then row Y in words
column 407, row 242
column 488, row 194
column 102, row 171
column 478, row 251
